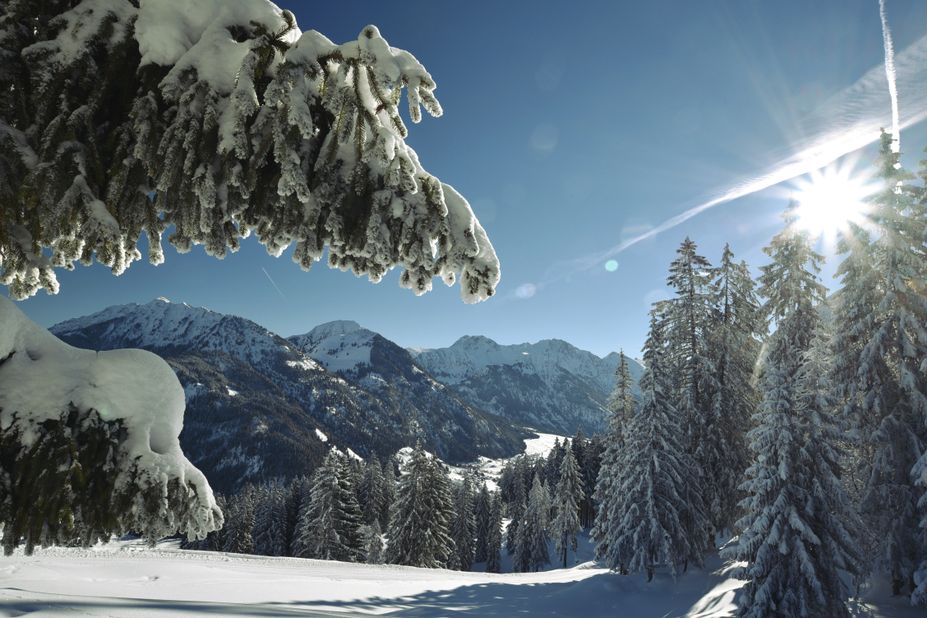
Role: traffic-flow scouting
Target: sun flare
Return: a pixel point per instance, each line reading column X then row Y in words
column 830, row 199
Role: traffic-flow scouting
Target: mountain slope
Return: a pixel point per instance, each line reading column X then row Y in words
column 550, row 385
column 390, row 374
column 259, row 408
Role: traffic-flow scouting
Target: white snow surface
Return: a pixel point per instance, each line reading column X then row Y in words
column 126, row 579
column 193, row 34
column 42, row 376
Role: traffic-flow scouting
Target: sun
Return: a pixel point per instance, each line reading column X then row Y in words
column 830, row 199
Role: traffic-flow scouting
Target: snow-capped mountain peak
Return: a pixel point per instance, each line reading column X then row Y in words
column 341, row 345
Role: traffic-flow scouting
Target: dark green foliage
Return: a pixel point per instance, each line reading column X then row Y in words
column 60, row 484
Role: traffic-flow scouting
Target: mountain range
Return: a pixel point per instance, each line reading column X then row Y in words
column 261, row 406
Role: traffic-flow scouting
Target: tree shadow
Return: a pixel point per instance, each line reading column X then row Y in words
column 605, row 595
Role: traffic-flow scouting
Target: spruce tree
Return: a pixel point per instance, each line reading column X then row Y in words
column 109, row 133
column 373, row 542
column 646, row 504
column 330, row 526
column 734, row 339
column 798, row 530
column 421, row 515
column 494, row 537
column 621, row 405
column 567, row 496
column 371, row 491
column 482, row 512
column 270, row 521
column 516, row 512
column 687, row 319
column 882, row 365
column 531, row 552
column 240, row 525
column 463, row 526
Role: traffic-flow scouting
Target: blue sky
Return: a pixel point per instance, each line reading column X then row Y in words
column 569, row 127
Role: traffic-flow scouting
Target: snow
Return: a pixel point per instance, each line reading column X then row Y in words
column 472, row 355
column 339, row 346
column 126, row 579
column 321, row 435
column 193, row 34
column 41, row 376
column 231, row 392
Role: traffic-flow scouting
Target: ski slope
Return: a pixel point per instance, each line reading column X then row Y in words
column 130, row 580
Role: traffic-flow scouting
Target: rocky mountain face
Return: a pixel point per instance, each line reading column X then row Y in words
column 551, row 385
column 260, row 407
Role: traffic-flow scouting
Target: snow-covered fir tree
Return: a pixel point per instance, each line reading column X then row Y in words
column 515, row 509
column 621, row 406
column 882, row 366
column 687, row 316
column 568, row 494
column 494, row 536
column 531, row 552
column 270, row 521
column 798, row 523
column 370, row 491
column 463, row 527
column 373, row 542
column 418, row 533
column 646, row 503
column 482, row 514
column 240, row 523
column 330, row 526
column 734, row 340
column 388, row 493
column 300, row 143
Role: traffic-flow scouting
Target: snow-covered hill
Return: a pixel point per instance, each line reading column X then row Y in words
column 128, row 580
column 257, row 405
column 551, row 385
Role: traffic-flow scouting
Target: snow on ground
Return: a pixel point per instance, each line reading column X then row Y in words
column 127, row 579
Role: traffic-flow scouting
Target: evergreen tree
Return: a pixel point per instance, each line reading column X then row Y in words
column 644, row 505
column 882, row 364
column 531, row 552
column 734, row 340
column 350, row 516
column 567, row 497
column 482, row 511
column 516, row 512
column 108, row 133
column 297, row 502
column 240, row 524
column 463, row 527
column 621, row 405
column 388, row 494
column 421, row 515
column 494, row 537
column 373, row 542
column 798, row 527
column 687, row 318
column 270, row 521
column 330, row 526
column 371, row 491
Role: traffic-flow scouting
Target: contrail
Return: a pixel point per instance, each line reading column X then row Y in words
column 890, row 76
column 844, row 123
column 273, row 283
